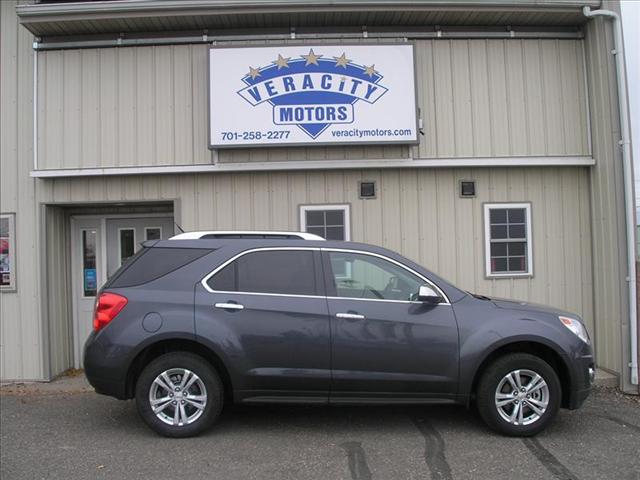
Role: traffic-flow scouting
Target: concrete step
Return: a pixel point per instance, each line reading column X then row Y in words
column 605, row 379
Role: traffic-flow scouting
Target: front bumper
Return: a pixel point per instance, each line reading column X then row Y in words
column 582, row 371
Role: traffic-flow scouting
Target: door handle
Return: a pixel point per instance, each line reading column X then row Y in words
column 350, row 316
column 229, row 306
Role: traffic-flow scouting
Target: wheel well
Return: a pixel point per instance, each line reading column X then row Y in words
column 533, row 348
column 165, row 346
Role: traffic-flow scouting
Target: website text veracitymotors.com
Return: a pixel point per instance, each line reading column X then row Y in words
column 373, row 132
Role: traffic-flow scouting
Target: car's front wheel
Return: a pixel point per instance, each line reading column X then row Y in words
column 518, row 395
column 179, row 394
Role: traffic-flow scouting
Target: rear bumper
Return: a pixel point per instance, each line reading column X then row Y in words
column 103, row 373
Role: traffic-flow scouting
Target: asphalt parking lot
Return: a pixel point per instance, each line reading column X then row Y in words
column 80, row 435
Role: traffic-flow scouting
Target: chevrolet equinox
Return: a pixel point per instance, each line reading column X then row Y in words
column 186, row 326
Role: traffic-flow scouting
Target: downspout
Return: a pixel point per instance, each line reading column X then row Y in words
column 629, row 203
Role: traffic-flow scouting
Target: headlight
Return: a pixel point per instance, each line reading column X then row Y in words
column 576, row 327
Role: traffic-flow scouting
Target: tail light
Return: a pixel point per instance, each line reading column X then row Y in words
column 108, row 306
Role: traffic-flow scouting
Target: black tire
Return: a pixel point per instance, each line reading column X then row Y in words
column 490, row 381
column 209, row 379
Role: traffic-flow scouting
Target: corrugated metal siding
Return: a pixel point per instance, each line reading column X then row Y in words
column 59, row 312
column 21, row 343
column 492, row 98
column 417, row 212
column 609, row 251
column 144, row 106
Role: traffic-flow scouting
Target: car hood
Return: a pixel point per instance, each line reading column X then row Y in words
column 530, row 307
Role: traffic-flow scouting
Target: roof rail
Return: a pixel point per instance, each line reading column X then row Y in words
column 245, row 234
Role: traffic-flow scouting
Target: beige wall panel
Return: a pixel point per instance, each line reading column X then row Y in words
column 481, row 112
column 109, row 115
column 72, row 118
column 552, row 99
column 90, row 128
column 516, row 93
column 145, row 115
column 607, row 209
column 461, row 92
column 477, row 98
column 534, row 104
column 500, row 127
column 126, row 105
column 21, row 340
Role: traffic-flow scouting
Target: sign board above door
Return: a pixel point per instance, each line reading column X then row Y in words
column 312, row 95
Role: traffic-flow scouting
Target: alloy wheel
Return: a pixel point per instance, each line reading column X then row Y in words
column 178, row 397
column 522, row 397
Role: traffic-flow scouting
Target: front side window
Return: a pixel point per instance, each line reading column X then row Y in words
column 357, row 275
column 286, row 272
column 7, row 252
column 331, row 222
column 508, row 239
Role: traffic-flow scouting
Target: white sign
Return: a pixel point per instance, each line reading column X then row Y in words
column 312, row 95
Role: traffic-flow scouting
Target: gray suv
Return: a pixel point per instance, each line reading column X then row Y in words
column 186, row 326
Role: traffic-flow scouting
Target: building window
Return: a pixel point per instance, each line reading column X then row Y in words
column 331, row 222
column 7, row 251
column 508, row 239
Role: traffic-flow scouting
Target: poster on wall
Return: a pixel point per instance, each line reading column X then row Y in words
column 7, row 246
column 320, row 95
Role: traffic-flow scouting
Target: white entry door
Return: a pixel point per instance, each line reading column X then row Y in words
column 88, row 275
column 100, row 245
column 125, row 235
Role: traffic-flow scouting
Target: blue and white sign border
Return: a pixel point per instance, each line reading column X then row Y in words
column 317, row 49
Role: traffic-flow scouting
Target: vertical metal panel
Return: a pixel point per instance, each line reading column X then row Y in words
column 607, row 208
column 59, row 313
column 21, row 343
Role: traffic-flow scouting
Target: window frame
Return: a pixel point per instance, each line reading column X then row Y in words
column 318, row 276
column 345, row 207
column 487, row 239
column 328, row 271
column 146, row 229
column 135, row 250
column 13, row 283
column 320, row 280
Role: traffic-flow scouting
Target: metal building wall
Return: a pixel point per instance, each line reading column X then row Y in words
column 609, row 251
column 563, row 275
column 144, row 106
column 21, row 340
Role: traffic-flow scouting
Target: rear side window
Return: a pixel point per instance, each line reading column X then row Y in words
column 155, row 263
column 288, row 272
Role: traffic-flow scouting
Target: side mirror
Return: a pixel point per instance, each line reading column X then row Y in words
column 428, row 295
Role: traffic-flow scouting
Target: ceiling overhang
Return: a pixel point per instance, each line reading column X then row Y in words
column 149, row 16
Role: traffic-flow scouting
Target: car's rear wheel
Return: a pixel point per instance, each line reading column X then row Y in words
column 519, row 395
column 179, row 394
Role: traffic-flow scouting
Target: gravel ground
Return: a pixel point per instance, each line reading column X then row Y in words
column 70, row 432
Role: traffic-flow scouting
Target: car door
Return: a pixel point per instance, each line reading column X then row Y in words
column 267, row 312
column 384, row 342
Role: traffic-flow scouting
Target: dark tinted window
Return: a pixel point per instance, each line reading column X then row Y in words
column 289, row 272
column 153, row 263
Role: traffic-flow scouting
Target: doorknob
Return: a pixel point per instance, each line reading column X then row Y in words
column 350, row 316
column 229, row 306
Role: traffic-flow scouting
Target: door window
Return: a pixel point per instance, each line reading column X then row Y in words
column 127, row 244
column 287, row 272
column 358, row 275
column 89, row 272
